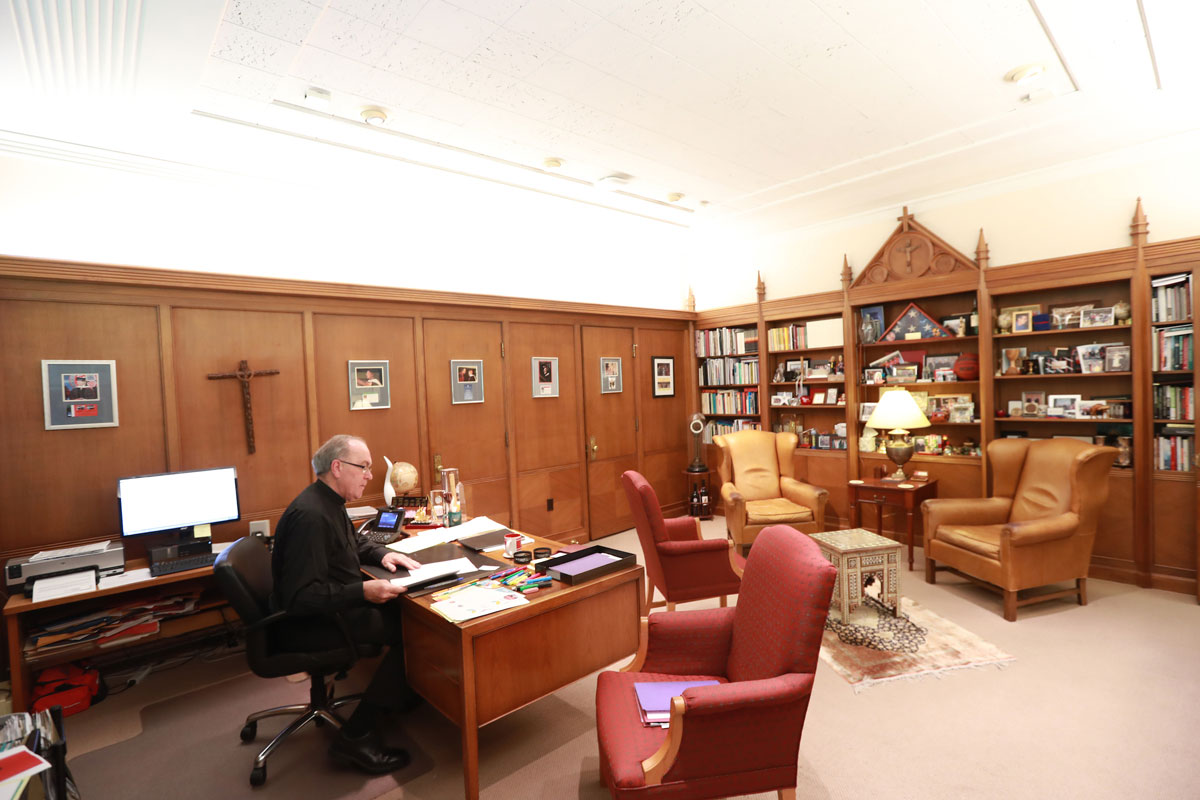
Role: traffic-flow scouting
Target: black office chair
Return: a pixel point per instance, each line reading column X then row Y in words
column 243, row 573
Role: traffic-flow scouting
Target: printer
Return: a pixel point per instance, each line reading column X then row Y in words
column 21, row 573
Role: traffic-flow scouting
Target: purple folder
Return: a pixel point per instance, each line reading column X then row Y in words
column 655, row 696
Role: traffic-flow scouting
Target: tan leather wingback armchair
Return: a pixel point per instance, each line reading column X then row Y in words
column 1036, row 529
column 758, row 487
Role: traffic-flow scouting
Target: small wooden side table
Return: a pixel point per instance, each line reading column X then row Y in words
column 907, row 496
column 695, row 481
column 857, row 553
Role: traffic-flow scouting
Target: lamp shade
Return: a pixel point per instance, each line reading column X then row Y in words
column 897, row 410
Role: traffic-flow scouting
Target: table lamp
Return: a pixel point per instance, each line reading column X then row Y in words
column 897, row 413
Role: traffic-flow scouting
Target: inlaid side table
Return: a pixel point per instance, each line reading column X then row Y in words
column 858, row 553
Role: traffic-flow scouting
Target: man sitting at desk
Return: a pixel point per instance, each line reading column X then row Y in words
column 316, row 567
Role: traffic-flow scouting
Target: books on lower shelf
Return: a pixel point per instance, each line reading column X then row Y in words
column 1175, row 448
column 727, row 371
column 654, row 698
column 719, row 427
column 1173, row 348
column 787, row 337
column 1174, row 402
column 729, row 401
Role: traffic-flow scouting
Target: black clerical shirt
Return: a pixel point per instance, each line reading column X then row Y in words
column 317, row 555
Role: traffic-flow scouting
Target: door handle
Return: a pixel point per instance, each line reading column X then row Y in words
column 593, row 448
column 437, row 468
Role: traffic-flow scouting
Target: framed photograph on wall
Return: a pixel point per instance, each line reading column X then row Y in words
column 664, row 376
column 369, row 387
column 545, row 375
column 79, row 394
column 610, row 376
column 466, row 380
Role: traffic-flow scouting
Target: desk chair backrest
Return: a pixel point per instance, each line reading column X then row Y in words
column 243, row 574
column 754, row 461
column 781, row 609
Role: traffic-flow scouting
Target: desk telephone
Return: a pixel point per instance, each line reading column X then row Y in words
column 385, row 527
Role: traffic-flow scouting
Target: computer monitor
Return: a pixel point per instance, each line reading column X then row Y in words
column 175, row 502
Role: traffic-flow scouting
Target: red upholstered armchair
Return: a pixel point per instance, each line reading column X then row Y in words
column 743, row 735
column 680, row 564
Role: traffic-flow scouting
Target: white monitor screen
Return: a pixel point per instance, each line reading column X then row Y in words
column 153, row 503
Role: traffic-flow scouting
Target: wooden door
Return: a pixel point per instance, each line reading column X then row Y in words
column 468, row 434
column 664, row 416
column 609, row 426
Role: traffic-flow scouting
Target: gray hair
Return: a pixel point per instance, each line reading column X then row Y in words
column 331, row 451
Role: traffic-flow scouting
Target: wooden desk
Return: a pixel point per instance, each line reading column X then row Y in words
column 882, row 493
column 19, row 607
column 477, row 671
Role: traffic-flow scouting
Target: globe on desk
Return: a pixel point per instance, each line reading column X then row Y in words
column 401, row 478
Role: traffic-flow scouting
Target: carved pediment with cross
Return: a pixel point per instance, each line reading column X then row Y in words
column 912, row 252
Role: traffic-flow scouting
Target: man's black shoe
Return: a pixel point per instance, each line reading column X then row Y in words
column 368, row 754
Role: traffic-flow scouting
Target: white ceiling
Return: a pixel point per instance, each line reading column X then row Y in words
column 776, row 113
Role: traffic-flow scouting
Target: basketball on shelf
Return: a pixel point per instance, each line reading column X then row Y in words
column 966, row 368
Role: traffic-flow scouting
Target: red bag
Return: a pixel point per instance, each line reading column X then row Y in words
column 71, row 686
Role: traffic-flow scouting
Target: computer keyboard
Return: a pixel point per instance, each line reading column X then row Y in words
column 167, row 566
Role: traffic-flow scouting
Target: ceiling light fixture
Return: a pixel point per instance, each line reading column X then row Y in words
column 675, row 197
column 615, row 181
column 317, row 98
column 1025, row 74
column 374, row 116
column 552, row 163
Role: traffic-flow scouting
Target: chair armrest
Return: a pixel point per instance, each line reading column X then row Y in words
column 804, row 494
column 964, row 510
column 675, row 549
column 735, row 506
column 1037, row 531
column 268, row 620
column 685, row 642
column 336, row 616
column 751, row 724
column 682, row 529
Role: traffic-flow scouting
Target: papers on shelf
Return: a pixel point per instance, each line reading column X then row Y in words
column 476, row 601
column 129, row 576
column 64, row 585
column 83, row 549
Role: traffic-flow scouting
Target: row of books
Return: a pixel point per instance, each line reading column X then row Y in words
column 726, row 371
column 1171, row 298
column 726, row 342
column 110, row 626
column 789, row 337
column 1173, row 402
column 719, row 427
column 729, row 401
column 1175, row 449
column 1173, row 348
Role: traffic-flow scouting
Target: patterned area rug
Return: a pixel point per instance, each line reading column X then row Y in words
column 876, row 647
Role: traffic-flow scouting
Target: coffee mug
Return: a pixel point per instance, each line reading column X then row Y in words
column 512, row 543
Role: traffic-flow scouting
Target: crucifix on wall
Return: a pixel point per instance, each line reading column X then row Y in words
column 244, row 374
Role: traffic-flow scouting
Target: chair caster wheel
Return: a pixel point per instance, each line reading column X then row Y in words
column 258, row 775
column 249, row 731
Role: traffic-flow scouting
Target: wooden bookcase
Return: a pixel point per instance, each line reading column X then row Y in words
column 729, row 376
column 1148, row 533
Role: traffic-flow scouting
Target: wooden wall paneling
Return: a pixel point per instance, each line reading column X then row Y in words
column 469, row 436
column 564, row 521
column 609, row 423
column 170, row 398
column 74, row 496
column 581, row 447
column 827, row 470
column 547, row 430
column 310, row 381
column 1113, row 550
column 425, row 459
column 665, row 438
column 211, row 411
column 391, row 432
column 1174, row 532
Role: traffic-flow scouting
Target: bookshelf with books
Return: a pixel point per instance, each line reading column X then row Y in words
column 727, row 360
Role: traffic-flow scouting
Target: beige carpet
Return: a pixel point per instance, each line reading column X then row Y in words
column 875, row 647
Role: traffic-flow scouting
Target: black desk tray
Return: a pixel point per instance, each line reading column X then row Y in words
column 554, row 566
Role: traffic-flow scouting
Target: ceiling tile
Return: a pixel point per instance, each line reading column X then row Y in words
column 450, row 28
column 240, row 80
column 497, row 11
column 351, row 37
column 331, row 71
column 253, row 49
column 553, row 23
column 289, row 20
column 419, row 61
column 654, row 18
column 511, row 53
column 606, row 46
column 395, row 15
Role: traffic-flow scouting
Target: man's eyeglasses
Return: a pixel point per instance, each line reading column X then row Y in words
column 366, row 468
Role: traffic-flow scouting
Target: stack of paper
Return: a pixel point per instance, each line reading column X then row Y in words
column 654, row 698
column 475, row 601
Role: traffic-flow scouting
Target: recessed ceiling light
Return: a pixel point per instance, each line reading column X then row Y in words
column 1025, row 74
column 551, row 163
column 675, row 197
column 374, row 116
column 316, row 97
